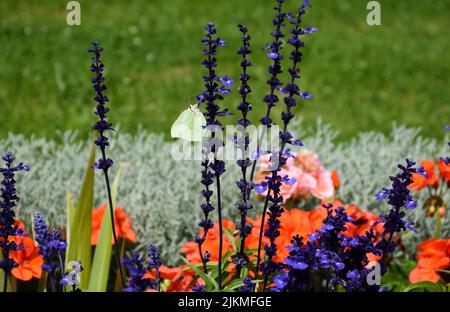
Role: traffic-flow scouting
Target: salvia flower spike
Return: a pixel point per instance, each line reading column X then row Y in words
column 136, row 268
column 102, row 141
column 51, row 247
column 345, row 258
column 154, row 262
column 275, row 69
column 8, row 200
column 275, row 181
column 398, row 196
column 240, row 259
column 216, row 87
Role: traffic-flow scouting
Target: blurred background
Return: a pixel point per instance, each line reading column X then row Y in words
column 362, row 77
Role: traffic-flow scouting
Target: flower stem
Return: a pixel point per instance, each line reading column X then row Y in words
column 111, row 211
column 261, row 229
column 438, row 226
column 219, row 210
column 5, row 281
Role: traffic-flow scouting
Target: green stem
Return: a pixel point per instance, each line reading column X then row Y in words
column 438, row 225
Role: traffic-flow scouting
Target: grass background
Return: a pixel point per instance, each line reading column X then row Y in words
column 363, row 77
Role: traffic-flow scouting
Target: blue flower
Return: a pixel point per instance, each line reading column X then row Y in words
column 382, row 195
column 8, row 200
column 72, row 277
column 102, row 125
column 199, row 288
column 272, row 55
column 398, row 196
column 136, row 271
column 154, row 261
column 51, row 246
column 281, row 282
column 341, row 259
column 248, row 284
column 274, row 48
column 227, row 81
column 215, row 87
column 353, row 275
column 261, row 188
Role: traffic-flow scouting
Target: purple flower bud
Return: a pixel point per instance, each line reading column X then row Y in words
column 272, row 55
column 382, row 195
column 227, row 81
column 260, row 188
column 306, row 95
column 411, row 204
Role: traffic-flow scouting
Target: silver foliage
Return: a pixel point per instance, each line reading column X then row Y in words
column 162, row 195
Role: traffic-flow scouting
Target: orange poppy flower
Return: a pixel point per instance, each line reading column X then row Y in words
column 122, row 224
column 335, row 179
column 444, row 170
column 190, row 249
column 420, row 181
column 434, row 256
column 292, row 222
column 28, row 259
column 362, row 221
column 180, row 280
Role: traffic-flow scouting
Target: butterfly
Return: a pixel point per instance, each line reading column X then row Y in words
column 189, row 125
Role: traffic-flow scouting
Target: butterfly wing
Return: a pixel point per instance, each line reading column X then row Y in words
column 189, row 125
column 198, row 125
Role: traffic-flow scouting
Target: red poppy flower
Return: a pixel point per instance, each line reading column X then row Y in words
column 122, row 224
column 434, row 256
column 335, row 179
column 420, row 181
column 28, row 259
column 444, row 170
column 292, row 222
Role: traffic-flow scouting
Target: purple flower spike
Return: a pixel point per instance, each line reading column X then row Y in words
column 102, row 141
column 8, row 201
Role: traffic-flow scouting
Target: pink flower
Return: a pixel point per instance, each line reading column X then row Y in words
column 308, row 161
column 324, row 187
column 311, row 178
column 305, row 183
column 288, row 191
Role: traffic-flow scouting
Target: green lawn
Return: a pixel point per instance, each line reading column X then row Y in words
column 363, row 77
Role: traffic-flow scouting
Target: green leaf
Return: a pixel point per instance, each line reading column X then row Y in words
column 225, row 264
column 244, row 272
column 397, row 275
column 238, row 283
column 81, row 225
column 232, row 239
column 70, row 211
column 430, row 286
column 10, row 286
column 118, row 283
column 233, row 285
column 98, row 281
column 211, row 284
